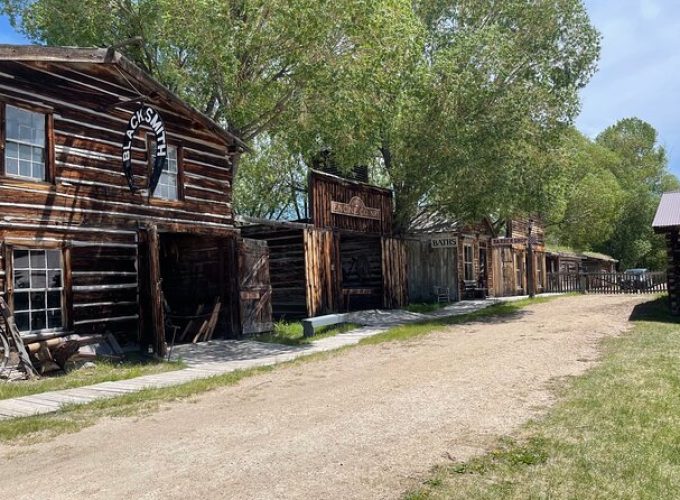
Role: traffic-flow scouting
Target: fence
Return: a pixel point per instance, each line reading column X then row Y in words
column 606, row 283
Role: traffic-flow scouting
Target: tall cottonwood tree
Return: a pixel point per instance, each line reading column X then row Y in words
column 456, row 101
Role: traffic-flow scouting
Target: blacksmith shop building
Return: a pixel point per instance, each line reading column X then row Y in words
column 116, row 202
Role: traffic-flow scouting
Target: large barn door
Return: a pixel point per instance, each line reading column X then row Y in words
column 255, row 291
column 395, row 282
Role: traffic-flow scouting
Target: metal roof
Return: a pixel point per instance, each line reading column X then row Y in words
column 668, row 213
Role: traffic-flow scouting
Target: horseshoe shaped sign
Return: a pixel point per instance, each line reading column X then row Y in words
column 148, row 116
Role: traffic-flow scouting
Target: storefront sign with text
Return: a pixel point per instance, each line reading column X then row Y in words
column 355, row 208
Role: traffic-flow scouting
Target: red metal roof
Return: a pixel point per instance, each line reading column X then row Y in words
column 668, row 213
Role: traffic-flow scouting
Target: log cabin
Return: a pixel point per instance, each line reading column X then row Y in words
column 116, row 198
column 343, row 257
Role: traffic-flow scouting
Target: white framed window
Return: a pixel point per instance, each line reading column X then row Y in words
column 38, row 284
column 25, row 143
column 167, row 183
column 468, row 265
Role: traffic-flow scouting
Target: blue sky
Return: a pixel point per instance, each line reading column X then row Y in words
column 639, row 71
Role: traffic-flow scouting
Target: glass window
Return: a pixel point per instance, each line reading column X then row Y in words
column 37, row 290
column 468, row 268
column 167, row 183
column 24, row 143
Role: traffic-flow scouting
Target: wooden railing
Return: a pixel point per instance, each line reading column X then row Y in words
column 606, row 283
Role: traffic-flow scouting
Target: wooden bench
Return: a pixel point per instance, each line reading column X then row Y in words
column 311, row 324
column 472, row 290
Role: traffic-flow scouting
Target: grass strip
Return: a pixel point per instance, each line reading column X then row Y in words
column 102, row 371
column 72, row 418
column 292, row 333
column 614, row 434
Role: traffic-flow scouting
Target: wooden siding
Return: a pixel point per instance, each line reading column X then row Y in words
column 89, row 186
column 395, row 274
column 324, row 189
column 429, row 267
column 111, row 237
column 321, row 252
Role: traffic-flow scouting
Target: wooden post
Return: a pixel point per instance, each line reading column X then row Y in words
column 155, row 280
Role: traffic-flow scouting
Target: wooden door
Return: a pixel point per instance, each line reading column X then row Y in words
column 395, row 282
column 255, row 291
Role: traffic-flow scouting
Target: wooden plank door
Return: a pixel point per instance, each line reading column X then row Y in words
column 255, row 291
column 395, row 281
column 321, row 271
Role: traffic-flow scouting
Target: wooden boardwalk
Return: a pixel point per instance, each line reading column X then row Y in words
column 235, row 355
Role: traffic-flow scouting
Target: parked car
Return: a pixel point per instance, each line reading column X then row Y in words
column 636, row 279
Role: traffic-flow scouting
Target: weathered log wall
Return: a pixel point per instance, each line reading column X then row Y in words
column 85, row 208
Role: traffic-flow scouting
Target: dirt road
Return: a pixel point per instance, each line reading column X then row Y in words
column 368, row 423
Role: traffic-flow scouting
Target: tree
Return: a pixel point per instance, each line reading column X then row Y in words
column 249, row 64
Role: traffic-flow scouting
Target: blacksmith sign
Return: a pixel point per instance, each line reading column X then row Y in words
column 501, row 242
column 148, row 116
column 443, row 243
column 355, row 208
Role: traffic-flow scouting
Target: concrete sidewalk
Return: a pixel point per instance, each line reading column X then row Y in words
column 224, row 356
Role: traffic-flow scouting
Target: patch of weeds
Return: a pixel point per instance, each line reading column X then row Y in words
column 291, row 333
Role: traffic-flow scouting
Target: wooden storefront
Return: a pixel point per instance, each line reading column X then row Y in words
column 511, row 259
column 343, row 258
column 458, row 260
column 85, row 247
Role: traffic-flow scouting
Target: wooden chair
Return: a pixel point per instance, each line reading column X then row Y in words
column 443, row 294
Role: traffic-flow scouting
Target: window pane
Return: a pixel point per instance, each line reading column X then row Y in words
column 12, row 150
column 21, row 279
column 37, row 259
column 54, row 279
column 54, row 319
column 53, row 259
column 21, row 259
column 25, row 152
column 38, row 320
column 38, row 279
column 25, row 168
column 37, row 300
column 53, row 299
column 22, row 321
column 25, row 126
column 11, row 166
column 21, row 301
column 38, row 171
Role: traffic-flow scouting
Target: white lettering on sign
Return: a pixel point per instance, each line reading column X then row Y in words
column 498, row 242
column 355, row 208
column 443, row 243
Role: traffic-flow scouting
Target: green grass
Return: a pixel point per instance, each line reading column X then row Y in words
column 75, row 417
column 614, row 434
column 103, row 371
column 292, row 334
column 425, row 307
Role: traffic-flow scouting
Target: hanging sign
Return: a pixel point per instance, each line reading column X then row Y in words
column 500, row 242
column 145, row 115
column 355, row 208
column 443, row 243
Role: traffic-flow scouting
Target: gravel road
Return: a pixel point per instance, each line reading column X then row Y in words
column 367, row 423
